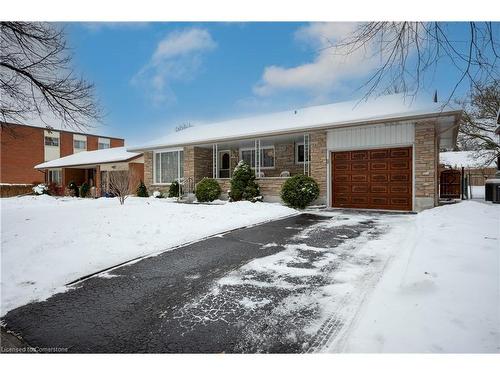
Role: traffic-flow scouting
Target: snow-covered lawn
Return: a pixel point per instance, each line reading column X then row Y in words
column 47, row 242
column 440, row 293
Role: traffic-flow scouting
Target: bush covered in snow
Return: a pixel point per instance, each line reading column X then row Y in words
column 207, row 190
column 141, row 190
column 299, row 191
column 173, row 190
column 243, row 185
column 40, row 189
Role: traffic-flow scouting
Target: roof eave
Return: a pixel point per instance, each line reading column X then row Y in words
column 456, row 113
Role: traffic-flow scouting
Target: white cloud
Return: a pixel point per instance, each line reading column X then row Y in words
column 177, row 57
column 330, row 68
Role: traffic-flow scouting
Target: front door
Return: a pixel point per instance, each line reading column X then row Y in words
column 224, row 164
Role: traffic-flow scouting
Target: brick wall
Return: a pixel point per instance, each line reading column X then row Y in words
column 270, row 188
column 426, row 165
column 318, row 164
column 66, row 143
column 116, row 142
column 21, row 148
column 91, row 143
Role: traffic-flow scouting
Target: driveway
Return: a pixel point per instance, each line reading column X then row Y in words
column 287, row 286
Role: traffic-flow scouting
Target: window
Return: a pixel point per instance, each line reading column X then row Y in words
column 168, row 166
column 266, row 156
column 55, row 176
column 81, row 145
column 103, row 143
column 51, row 141
column 299, row 153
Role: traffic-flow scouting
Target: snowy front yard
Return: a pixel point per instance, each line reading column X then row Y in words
column 441, row 291
column 48, row 242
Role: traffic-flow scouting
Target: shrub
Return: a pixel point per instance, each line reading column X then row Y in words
column 72, row 186
column 142, row 191
column 157, row 194
column 54, row 189
column 84, row 190
column 207, row 190
column 40, row 189
column 243, row 185
column 173, row 190
column 299, row 191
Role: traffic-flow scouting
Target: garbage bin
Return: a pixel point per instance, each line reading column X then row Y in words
column 492, row 190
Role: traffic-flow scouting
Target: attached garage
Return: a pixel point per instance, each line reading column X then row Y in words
column 373, row 179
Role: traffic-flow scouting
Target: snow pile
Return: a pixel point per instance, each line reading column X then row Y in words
column 48, row 242
column 40, row 189
column 441, row 293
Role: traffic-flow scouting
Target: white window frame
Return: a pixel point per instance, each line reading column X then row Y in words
column 262, row 148
column 103, row 141
column 52, row 137
column 297, row 144
column 79, row 148
column 178, row 150
column 51, row 171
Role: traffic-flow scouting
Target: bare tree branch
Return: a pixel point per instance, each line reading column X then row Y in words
column 36, row 79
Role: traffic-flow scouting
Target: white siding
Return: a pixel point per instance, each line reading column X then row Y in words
column 82, row 138
column 51, row 152
column 382, row 135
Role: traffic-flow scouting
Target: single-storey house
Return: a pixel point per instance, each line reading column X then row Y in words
column 376, row 154
column 93, row 167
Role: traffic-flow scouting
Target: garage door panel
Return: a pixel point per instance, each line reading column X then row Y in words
column 359, row 177
column 400, row 153
column 342, row 156
column 360, row 155
column 342, row 166
column 379, row 179
column 400, row 165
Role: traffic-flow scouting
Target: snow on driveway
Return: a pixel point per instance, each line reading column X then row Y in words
column 47, row 242
column 441, row 292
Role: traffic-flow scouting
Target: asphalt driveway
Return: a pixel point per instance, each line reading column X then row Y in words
column 259, row 289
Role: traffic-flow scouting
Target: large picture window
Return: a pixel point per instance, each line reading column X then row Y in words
column 266, row 156
column 168, row 166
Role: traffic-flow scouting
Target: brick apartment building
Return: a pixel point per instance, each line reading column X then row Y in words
column 24, row 146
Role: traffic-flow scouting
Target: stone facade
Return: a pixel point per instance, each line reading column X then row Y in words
column 197, row 163
column 426, row 165
column 318, row 166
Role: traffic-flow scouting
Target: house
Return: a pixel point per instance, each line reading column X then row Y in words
column 94, row 167
column 478, row 165
column 377, row 154
column 24, row 146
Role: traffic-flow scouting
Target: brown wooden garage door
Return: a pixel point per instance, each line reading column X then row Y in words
column 380, row 179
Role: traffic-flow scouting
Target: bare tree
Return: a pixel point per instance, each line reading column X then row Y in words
column 183, row 126
column 120, row 184
column 410, row 52
column 478, row 123
column 36, row 78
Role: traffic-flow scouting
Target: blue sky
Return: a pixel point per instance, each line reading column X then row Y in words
column 151, row 77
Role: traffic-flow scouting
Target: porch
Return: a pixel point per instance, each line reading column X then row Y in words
column 273, row 158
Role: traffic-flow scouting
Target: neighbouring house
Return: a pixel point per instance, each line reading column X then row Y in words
column 478, row 165
column 377, row 154
column 94, row 167
column 24, row 146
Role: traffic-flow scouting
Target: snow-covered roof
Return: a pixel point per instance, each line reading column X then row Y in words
column 468, row 159
column 389, row 107
column 107, row 155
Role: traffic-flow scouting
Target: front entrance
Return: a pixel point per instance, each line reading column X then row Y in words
column 224, row 164
column 373, row 179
